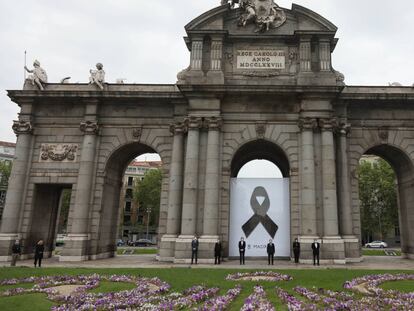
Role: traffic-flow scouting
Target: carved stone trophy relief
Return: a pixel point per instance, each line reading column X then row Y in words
column 264, row 13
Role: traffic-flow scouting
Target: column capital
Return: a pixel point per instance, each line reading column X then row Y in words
column 89, row 127
column 328, row 124
column 213, row 123
column 22, row 127
column 344, row 128
column 193, row 123
column 308, row 124
column 177, row 128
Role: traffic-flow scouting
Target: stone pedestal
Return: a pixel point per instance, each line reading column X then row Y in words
column 76, row 248
column 182, row 252
column 167, row 247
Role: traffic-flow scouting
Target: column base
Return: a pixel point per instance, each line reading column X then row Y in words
column 305, row 247
column 407, row 256
column 76, row 248
column 6, row 242
column 167, row 247
column 333, row 248
column 183, row 248
column 206, row 248
column 352, row 248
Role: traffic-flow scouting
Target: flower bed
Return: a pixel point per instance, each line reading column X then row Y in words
column 259, row 276
column 257, row 301
column 221, row 302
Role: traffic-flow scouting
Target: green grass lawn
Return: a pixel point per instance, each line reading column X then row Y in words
column 183, row 278
column 377, row 252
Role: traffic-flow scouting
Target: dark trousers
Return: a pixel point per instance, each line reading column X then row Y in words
column 242, row 257
column 194, row 256
column 217, row 259
column 315, row 258
column 296, row 253
column 38, row 260
column 270, row 257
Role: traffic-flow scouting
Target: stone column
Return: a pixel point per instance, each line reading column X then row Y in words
column 307, row 171
column 190, row 189
column 10, row 230
column 330, row 207
column 212, row 185
column 346, row 208
column 305, row 54
column 324, row 55
column 76, row 243
column 188, row 219
column 175, row 194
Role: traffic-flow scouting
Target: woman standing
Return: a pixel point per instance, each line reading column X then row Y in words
column 296, row 250
column 39, row 249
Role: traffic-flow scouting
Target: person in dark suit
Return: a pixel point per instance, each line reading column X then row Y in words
column 242, row 250
column 316, row 248
column 296, row 250
column 16, row 252
column 270, row 251
column 39, row 249
column 194, row 250
column 217, row 252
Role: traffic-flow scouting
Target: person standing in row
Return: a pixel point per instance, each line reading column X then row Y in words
column 16, row 252
column 242, row 250
column 270, row 251
column 217, row 252
column 296, row 250
column 315, row 248
column 39, row 249
column 194, row 250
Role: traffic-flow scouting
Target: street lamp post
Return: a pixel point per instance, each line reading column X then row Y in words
column 148, row 218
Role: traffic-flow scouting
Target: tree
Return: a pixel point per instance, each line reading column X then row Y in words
column 5, row 170
column 378, row 198
column 147, row 193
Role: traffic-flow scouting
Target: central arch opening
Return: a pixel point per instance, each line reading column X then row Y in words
column 260, row 200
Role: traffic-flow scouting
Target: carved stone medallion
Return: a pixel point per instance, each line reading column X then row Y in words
column 58, row 152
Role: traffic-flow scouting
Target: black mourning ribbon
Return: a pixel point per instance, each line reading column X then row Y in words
column 260, row 214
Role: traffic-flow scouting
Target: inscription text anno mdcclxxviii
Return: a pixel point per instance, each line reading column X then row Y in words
column 261, row 59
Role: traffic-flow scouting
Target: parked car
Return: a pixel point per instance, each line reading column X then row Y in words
column 143, row 242
column 377, row 244
column 120, row 243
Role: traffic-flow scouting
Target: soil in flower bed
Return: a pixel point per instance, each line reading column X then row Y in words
column 182, row 279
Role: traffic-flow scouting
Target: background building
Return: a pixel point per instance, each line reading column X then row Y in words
column 133, row 219
column 7, row 151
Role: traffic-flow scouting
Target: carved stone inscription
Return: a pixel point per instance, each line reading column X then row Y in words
column 58, row 152
column 261, row 59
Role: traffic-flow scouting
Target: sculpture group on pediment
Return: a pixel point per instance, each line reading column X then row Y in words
column 264, row 13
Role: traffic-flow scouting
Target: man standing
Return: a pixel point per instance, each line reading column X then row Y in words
column 270, row 251
column 296, row 250
column 242, row 250
column 315, row 248
column 194, row 250
column 16, row 252
column 217, row 252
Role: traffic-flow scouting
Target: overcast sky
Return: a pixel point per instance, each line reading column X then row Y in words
column 141, row 41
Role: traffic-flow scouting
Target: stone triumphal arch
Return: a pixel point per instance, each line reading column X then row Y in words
column 260, row 84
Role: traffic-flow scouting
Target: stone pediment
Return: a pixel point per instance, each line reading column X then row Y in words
column 224, row 18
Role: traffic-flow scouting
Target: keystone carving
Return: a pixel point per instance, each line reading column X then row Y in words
column 137, row 133
column 383, row 134
column 22, row 127
column 89, row 127
column 58, row 152
column 261, row 130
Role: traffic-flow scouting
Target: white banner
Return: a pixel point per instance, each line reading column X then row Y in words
column 259, row 211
